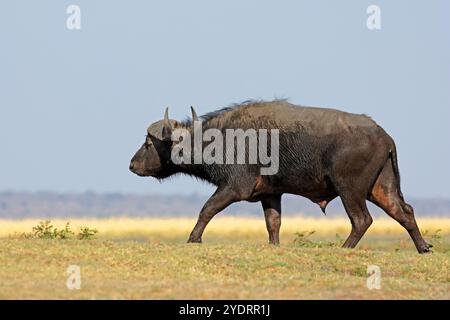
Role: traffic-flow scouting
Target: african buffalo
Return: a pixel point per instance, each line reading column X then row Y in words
column 323, row 154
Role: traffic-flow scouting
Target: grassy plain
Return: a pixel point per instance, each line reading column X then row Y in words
column 149, row 259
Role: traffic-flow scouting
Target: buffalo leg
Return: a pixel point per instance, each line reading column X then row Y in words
column 355, row 169
column 360, row 218
column 221, row 199
column 385, row 194
column 272, row 213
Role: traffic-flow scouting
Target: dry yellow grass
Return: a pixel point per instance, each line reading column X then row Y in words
column 224, row 226
column 149, row 259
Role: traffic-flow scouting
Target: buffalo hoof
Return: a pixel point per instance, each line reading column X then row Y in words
column 425, row 249
column 194, row 240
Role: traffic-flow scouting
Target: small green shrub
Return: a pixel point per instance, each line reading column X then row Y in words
column 45, row 230
column 65, row 233
column 434, row 238
column 302, row 239
column 86, row 233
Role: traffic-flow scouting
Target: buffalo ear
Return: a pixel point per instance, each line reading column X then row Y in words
column 194, row 114
column 153, row 138
column 167, row 127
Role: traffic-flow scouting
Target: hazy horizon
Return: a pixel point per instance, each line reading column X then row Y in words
column 75, row 104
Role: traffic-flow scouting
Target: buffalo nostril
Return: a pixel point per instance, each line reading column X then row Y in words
column 131, row 166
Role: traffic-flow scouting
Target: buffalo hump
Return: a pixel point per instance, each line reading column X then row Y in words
column 285, row 116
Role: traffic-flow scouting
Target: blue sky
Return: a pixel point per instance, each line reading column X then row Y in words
column 74, row 105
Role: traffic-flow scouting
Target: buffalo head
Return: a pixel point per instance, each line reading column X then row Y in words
column 154, row 157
